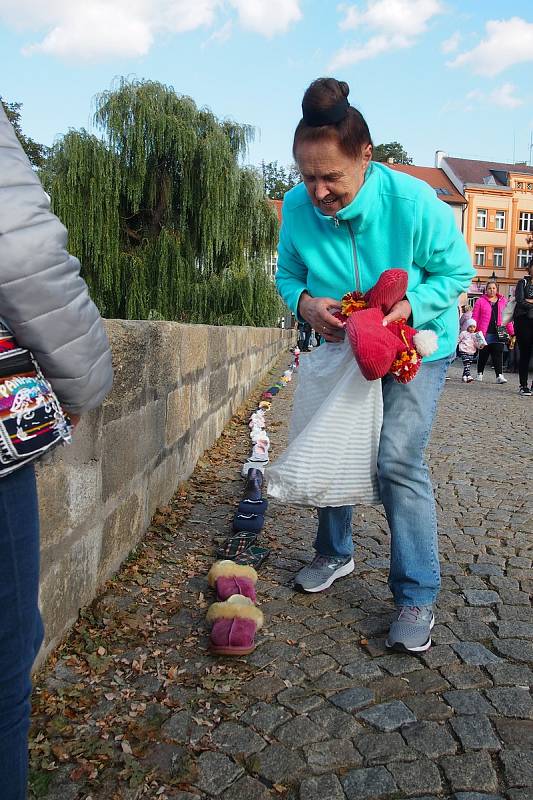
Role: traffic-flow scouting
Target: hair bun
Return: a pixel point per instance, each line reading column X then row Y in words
column 345, row 89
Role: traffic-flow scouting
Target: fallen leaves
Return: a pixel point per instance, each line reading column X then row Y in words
column 136, row 656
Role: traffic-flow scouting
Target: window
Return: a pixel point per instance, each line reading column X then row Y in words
column 440, row 191
column 529, row 186
column 525, row 221
column 481, row 221
column 480, row 257
column 519, row 185
column 522, row 258
column 500, row 220
column 497, row 258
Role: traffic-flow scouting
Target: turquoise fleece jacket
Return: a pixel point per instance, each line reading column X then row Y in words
column 394, row 221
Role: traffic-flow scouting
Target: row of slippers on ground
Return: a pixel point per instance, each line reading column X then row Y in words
column 234, row 617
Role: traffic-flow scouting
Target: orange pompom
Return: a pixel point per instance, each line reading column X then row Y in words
column 405, row 367
column 353, row 301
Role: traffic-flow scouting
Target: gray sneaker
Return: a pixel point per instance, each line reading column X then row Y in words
column 411, row 630
column 322, row 571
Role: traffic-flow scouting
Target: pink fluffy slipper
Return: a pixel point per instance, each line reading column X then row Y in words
column 229, row 579
column 234, row 625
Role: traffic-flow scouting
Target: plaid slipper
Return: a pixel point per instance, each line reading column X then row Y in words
column 235, row 545
column 253, row 556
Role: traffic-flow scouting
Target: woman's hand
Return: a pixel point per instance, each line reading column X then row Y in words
column 401, row 310
column 317, row 312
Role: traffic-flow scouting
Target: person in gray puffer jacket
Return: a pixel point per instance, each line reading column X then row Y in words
column 45, row 303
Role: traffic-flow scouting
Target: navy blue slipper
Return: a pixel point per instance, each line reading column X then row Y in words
column 248, row 522
column 247, row 506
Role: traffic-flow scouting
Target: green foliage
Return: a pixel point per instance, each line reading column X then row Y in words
column 36, row 152
column 278, row 180
column 165, row 221
column 382, row 152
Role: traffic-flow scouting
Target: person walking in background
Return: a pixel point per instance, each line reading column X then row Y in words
column 464, row 315
column 523, row 321
column 487, row 313
column 468, row 347
column 45, row 304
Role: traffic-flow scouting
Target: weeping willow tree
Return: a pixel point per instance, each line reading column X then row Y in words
column 165, row 221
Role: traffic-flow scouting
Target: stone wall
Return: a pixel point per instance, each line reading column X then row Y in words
column 175, row 388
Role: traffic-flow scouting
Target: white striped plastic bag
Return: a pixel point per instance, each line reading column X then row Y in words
column 334, row 434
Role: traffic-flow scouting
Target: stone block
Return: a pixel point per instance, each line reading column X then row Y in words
column 121, row 531
column 373, row 782
column 69, row 584
column 236, row 740
column 388, row 716
column 518, row 767
column 130, row 343
column 216, row 772
column 130, row 444
column 193, row 348
column 384, row 748
column 244, row 789
column 217, row 346
column 199, row 398
column 470, row 772
column 163, row 480
column 87, row 440
column 475, row 733
column 218, row 386
column 417, row 777
column 430, row 738
column 84, row 490
column 334, row 755
column 178, row 419
column 164, row 367
column 325, row 786
column 53, row 503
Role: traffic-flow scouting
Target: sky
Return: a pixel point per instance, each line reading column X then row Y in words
column 430, row 74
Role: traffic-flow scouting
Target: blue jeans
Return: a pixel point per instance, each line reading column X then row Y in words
column 21, row 629
column 405, row 487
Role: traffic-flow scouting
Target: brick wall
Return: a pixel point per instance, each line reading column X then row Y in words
column 175, row 388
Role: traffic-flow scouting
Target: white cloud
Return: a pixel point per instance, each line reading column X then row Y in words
column 370, row 49
column 450, row 45
column 267, row 16
column 504, row 96
column 393, row 17
column 94, row 32
column 392, row 25
column 507, row 42
column 221, row 35
column 98, row 29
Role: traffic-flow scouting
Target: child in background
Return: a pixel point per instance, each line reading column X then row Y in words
column 296, row 356
column 468, row 346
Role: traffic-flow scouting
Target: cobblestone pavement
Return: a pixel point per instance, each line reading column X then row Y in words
column 135, row 707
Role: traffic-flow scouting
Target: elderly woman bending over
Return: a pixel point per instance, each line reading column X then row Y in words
column 350, row 220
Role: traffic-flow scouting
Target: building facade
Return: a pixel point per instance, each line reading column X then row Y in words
column 444, row 188
column 498, row 220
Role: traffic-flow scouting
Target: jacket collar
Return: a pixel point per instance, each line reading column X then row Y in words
column 364, row 206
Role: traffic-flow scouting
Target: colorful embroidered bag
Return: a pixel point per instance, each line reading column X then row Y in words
column 31, row 418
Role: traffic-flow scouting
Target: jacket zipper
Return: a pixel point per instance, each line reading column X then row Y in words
column 355, row 262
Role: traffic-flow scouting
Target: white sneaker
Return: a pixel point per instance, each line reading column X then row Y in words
column 465, row 378
column 479, row 376
column 501, row 379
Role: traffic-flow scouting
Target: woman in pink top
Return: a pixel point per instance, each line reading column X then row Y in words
column 487, row 313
